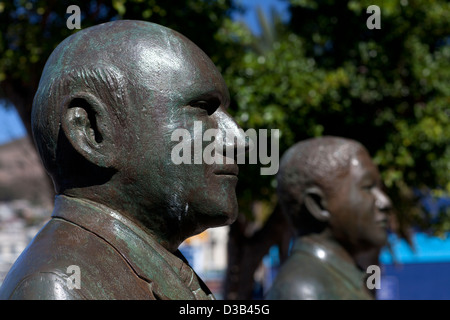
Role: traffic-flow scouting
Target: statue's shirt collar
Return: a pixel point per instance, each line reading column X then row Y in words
column 168, row 274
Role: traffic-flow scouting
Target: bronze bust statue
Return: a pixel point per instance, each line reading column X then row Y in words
column 332, row 192
column 109, row 98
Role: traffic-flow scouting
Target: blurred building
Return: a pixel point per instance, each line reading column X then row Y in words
column 25, row 199
column 22, row 175
column 19, row 223
column 207, row 255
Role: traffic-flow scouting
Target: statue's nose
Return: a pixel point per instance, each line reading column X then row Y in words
column 382, row 202
column 233, row 137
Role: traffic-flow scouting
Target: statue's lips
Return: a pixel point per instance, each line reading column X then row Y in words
column 227, row 170
column 382, row 222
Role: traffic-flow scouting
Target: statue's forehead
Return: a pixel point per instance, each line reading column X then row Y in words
column 154, row 56
column 124, row 43
column 178, row 67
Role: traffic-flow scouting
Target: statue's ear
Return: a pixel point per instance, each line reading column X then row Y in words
column 87, row 126
column 316, row 203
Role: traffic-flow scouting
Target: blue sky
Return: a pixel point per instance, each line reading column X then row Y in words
column 11, row 127
column 250, row 15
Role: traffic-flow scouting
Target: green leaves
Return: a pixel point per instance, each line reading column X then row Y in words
column 326, row 73
column 323, row 73
column 119, row 6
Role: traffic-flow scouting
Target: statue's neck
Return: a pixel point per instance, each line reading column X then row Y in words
column 149, row 221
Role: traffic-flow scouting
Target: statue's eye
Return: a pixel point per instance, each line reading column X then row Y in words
column 209, row 106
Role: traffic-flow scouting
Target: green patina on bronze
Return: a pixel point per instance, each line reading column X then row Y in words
column 332, row 192
column 109, row 99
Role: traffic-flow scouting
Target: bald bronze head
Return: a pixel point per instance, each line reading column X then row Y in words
column 331, row 185
column 108, row 101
